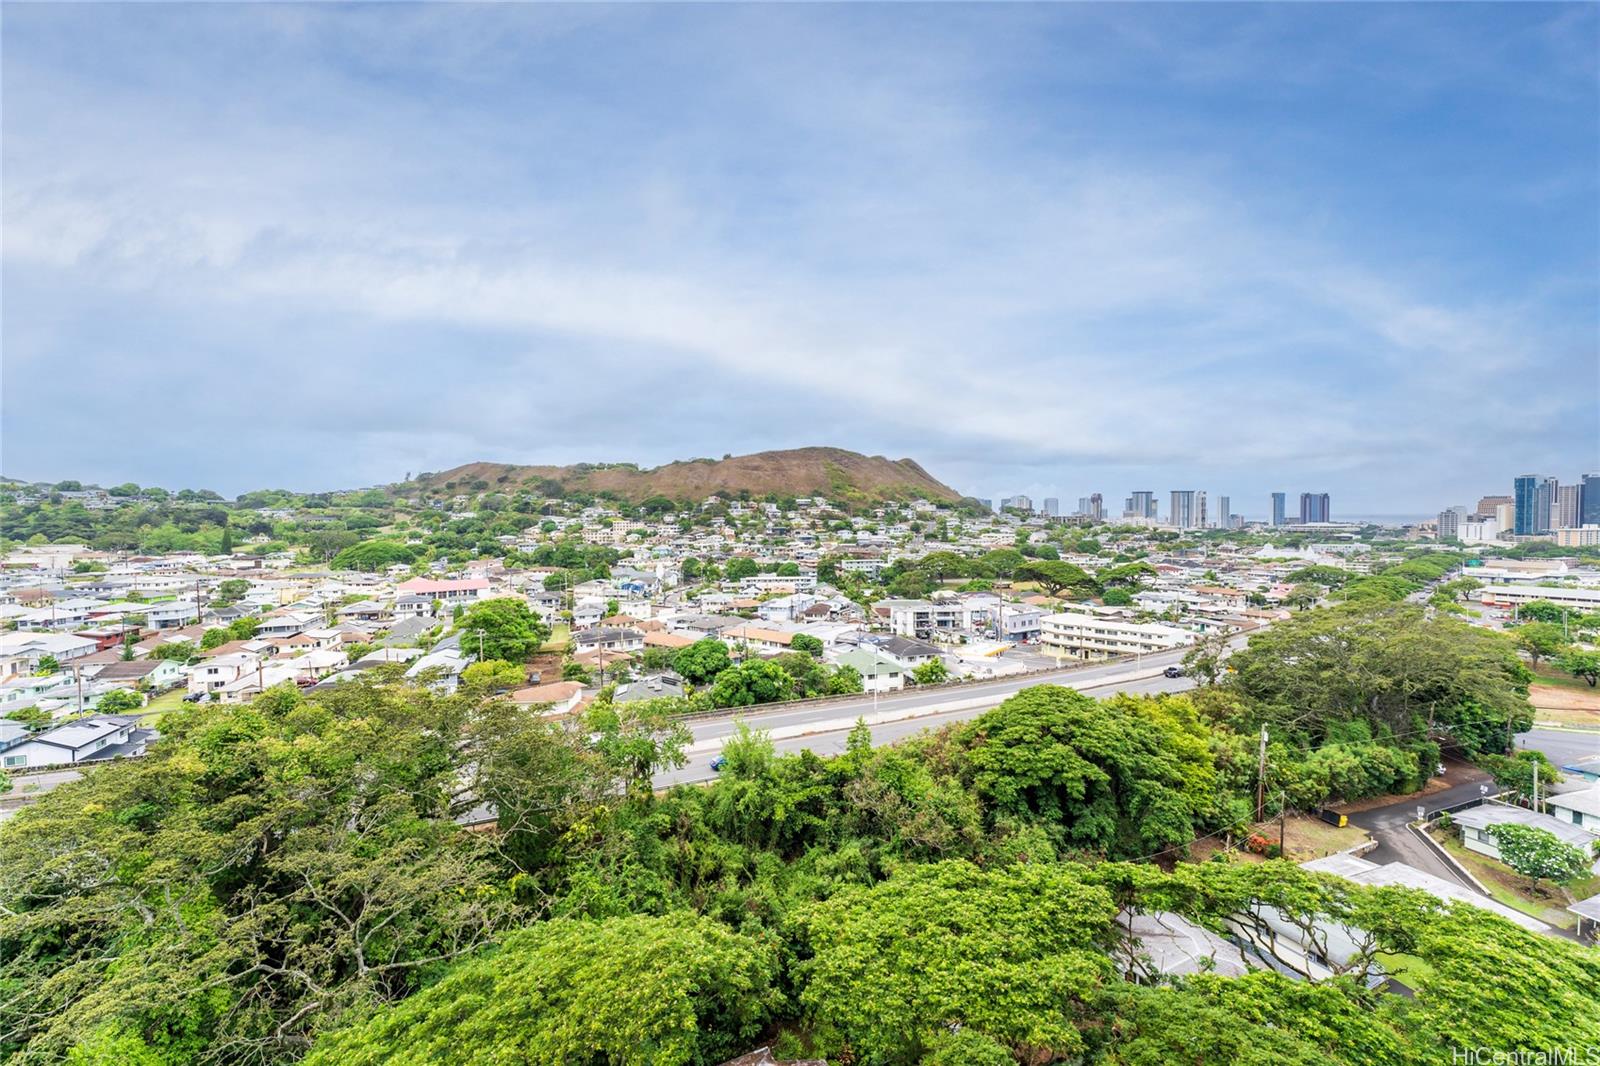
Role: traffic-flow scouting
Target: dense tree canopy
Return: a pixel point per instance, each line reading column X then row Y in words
column 1006, row 954
column 653, row 991
column 1388, row 666
column 374, row 555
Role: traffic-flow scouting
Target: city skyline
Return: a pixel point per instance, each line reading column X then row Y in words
column 316, row 247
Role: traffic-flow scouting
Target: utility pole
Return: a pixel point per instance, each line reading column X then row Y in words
column 1535, row 787
column 1283, row 812
column 1261, row 775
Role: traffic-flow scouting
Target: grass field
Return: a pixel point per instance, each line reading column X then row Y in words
column 1563, row 704
column 1309, row 837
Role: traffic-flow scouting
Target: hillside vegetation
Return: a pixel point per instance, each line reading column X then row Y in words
column 831, row 472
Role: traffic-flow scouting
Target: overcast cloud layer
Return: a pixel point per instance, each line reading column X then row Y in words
column 1349, row 248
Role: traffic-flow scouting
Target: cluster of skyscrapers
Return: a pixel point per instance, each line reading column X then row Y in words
column 1538, row 506
column 1544, row 505
column 1187, row 508
column 1314, row 507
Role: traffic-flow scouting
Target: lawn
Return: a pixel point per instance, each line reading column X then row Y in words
column 560, row 637
column 1545, row 903
column 1407, row 969
column 1545, row 674
column 167, row 701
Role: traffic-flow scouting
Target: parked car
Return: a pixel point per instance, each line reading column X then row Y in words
column 1172, row 671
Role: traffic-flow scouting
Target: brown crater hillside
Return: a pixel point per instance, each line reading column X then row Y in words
column 832, row 472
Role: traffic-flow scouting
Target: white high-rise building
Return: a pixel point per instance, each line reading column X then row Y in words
column 1451, row 519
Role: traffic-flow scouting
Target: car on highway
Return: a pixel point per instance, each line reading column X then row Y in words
column 1172, row 671
column 718, row 763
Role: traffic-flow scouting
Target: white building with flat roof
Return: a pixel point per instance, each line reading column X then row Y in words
column 1579, row 599
column 1083, row 635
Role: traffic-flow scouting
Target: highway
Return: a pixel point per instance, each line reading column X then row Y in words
column 823, row 727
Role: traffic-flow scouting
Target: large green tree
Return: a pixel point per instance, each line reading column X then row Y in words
column 275, row 865
column 1056, row 577
column 1124, row 777
column 510, row 629
column 1538, row 853
column 1541, row 640
column 1581, row 663
column 702, row 661
column 752, row 682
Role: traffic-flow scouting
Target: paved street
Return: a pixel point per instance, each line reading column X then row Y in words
column 1397, row 843
column 823, row 728
column 1564, row 747
column 28, row 787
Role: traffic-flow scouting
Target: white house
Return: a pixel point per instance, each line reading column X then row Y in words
column 251, row 683
column 1476, row 824
column 218, row 672
column 319, row 663
column 88, row 739
column 157, row 674
column 879, row 673
column 609, row 638
column 25, row 690
column 285, row 625
column 173, row 615
column 758, row 639
column 20, row 652
column 443, row 666
column 558, row 697
column 1581, row 808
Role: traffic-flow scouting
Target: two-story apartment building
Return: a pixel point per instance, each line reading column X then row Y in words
column 1085, row 635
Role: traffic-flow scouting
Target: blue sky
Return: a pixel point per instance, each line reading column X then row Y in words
column 1052, row 249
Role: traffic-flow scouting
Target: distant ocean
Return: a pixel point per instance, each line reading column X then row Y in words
column 1367, row 519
